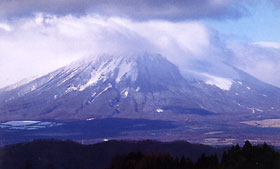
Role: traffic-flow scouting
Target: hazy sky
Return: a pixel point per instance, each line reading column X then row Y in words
column 38, row 36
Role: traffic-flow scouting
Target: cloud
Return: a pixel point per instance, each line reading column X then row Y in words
column 274, row 45
column 276, row 2
column 136, row 9
column 191, row 46
column 5, row 27
column 260, row 59
column 40, row 44
column 46, row 42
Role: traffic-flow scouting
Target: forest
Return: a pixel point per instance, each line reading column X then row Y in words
column 247, row 157
column 55, row 154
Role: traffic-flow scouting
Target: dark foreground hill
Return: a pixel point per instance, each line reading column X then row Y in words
column 70, row 155
column 54, row 154
column 247, row 157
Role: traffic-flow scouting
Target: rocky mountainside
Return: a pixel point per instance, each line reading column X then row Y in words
column 134, row 86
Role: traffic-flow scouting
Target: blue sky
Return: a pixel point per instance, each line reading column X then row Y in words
column 261, row 24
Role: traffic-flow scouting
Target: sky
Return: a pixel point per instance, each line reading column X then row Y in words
column 260, row 25
column 38, row 36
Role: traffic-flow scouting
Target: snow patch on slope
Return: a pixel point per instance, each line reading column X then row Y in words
column 159, row 110
column 239, row 82
column 126, row 69
column 71, row 88
column 72, row 74
column 105, row 68
column 108, row 87
column 222, row 83
column 124, row 93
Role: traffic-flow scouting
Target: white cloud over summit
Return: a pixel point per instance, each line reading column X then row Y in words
column 36, row 45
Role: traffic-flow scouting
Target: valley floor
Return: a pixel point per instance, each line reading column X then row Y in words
column 97, row 130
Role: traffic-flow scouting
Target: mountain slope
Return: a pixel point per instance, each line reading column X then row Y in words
column 135, row 86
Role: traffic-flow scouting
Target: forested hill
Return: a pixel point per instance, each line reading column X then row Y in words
column 247, row 157
column 68, row 154
column 54, row 154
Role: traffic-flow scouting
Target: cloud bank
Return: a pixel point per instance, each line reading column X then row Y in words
column 136, row 9
column 37, row 45
column 260, row 59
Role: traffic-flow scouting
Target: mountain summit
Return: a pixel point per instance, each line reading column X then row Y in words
column 135, row 86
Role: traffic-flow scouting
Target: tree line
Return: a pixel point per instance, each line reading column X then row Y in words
column 247, row 157
column 55, row 154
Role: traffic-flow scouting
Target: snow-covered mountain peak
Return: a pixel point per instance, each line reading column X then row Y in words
column 88, row 71
column 113, row 84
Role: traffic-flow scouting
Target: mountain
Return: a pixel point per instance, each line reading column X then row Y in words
column 137, row 86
